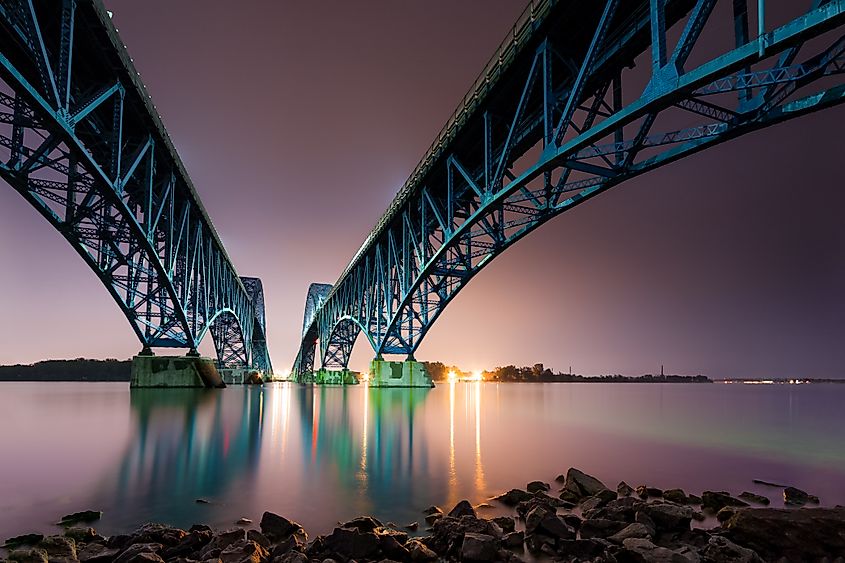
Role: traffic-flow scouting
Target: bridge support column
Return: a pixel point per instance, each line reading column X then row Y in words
column 241, row 376
column 409, row 373
column 174, row 371
column 344, row 376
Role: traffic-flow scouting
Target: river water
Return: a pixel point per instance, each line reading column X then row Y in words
column 323, row 454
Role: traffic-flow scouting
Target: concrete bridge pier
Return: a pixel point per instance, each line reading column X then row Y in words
column 409, row 373
column 191, row 370
column 241, row 376
column 344, row 376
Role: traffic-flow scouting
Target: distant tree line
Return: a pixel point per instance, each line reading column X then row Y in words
column 80, row 369
column 540, row 374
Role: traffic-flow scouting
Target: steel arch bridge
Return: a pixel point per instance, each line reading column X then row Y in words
column 82, row 142
column 580, row 97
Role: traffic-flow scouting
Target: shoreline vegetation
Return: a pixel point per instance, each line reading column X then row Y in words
column 584, row 520
column 111, row 369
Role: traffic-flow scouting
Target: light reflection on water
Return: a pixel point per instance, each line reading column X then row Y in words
column 320, row 454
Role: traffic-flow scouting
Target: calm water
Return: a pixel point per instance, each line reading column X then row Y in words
column 320, row 455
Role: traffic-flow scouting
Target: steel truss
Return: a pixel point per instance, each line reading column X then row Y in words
column 81, row 141
column 547, row 127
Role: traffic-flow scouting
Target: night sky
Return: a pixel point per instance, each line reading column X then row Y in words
column 299, row 121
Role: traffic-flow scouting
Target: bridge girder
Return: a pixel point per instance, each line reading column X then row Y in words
column 546, row 127
column 82, row 142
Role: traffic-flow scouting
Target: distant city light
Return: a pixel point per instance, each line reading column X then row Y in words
column 453, row 377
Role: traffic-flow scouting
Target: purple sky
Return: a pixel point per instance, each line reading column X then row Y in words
column 298, row 122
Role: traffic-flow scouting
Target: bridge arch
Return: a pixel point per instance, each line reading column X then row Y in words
column 547, row 127
column 81, row 141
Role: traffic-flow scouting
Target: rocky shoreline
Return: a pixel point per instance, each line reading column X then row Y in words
column 584, row 521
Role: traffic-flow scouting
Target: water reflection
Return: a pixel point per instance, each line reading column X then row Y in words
column 322, row 454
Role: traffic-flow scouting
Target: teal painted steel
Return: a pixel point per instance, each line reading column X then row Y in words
column 546, row 127
column 81, row 141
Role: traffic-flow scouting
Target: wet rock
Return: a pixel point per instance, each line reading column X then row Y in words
column 413, row 526
column 131, row 552
column 202, row 501
column 598, row 500
column 158, row 533
column 259, row 538
column 514, row 539
column 809, row 534
column 640, row 549
column 193, row 542
column 447, row 533
column 351, row 543
column 83, row 516
column 722, row 550
column 363, row 524
column 553, row 525
column 432, row 518
column 243, row 522
column 753, row 497
column 569, row 497
column 146, row 557
column 96, row 553
column 649, row 492
column 244, row 551
column 513, row 497
column 537, row 543
column 583, row 549
column 675, row 495
column 725, row 514
column 693, row 499
column 432, row 510
column 292, row 557
column 81, row 534
column 635, row 530
column 581, row 485
column 277, row 528
column 463, row 508
column 506, row 523
column 24, row 539
column 537, row 486
column 669, row 517
column 797, row 497
column 419, row 551
column 391, row 543
column 221, row 541
column 572, row 521
column 600, row 528
column 28, row 555
column 561, row 478
column 294, row 542
column 478, row 547
column 622, row 509
column 623, row 489
column 644, row 519
column 58, row 547
column 483, row 506
column 716, row 501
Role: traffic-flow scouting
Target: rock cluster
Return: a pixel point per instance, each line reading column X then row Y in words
column 586, row 521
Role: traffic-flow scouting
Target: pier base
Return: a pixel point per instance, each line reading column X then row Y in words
column 241, row 376
column 409, row 373
column 325, row 376
column 174, row 371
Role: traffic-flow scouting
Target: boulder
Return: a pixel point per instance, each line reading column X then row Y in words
column 478, row 547
column 145, row 557
column 669, row 517
column 514, row 539
column 83, row 516
column 413, row 526
column 726, row 513
column 96, row 553
column 561, row 478
column 506, row 523
column 24, row 539
column 243, row 522
column 513, row 497
column 220, row 541
column 81, row 533
column 808, row 534
column 600, row 528
column 419, row 551
column 351, row 543
column 244, row 551
column 432, row 510
column 363, row 524
column 623, row 489
column 640, row 549
column 693, row 499
column 276, row 527
column 635, row 530
column 537, row 486
column 292, row 557
column 463, row 508
column 58, row 547
column 649, row 492
column 158, row 533
column 716, row 501
column 432, row 518
column 581, row 485
column 553, row 525
column 722, row 550
column 193, row 542
column 675, row 495
column 797, row 497
column 28, row 555
column 584, row 549
column 136, row 549
column 753, row 498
